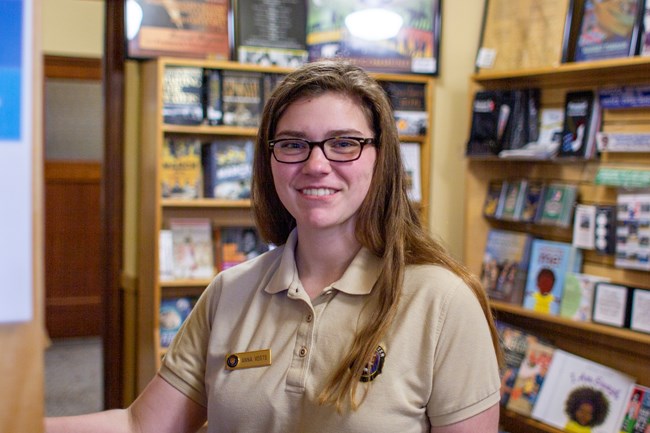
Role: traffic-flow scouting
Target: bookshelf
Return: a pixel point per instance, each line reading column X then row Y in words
column 155, row 212
column 622, row 349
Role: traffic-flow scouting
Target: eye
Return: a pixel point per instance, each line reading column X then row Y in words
column 343, row 145
column 291, row 145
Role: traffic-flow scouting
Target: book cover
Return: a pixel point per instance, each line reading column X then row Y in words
column 557, row 207
column 584, row 227
column 227, row 169
column 530, row 377
column 578, row 296
column 238, row 244
column 513, row 199
column 637, row 410
column 490, row 116
column 550, row 261
column 505, row 263
column 605, row 232
column 165, row 255
column 633, row 229
column 183, row 95
column 180, row 172
column 494, row 198
column 409, row 106
column 608, row 29
column 612, row 304
column 193, row 248
column 269, row 82
column 582, row 395
column 640, row 310
column 581, row 119
column 213, row 109
column 241, row 100
column 411, row 160
column 173, row 312
column 514, row 342
column 644, row 48
column 533, row 201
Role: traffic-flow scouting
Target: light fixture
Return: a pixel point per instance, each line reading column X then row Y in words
column 134, row 16
column 374, row 24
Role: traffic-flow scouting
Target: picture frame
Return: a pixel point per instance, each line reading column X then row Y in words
column 399, row 37
column 608, row 29
column 177, row 28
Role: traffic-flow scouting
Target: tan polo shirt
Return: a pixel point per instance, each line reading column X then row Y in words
column 439, row 365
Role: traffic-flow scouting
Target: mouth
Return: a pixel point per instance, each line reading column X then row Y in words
column 317, row 192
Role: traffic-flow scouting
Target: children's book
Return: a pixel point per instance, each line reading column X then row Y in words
column 637, row 411
column 533, row 200
column 579, row 394
column 550, row 261
column 494, row 198
column 578, row 296
column 173, row 312
column 513, row 199
column 559, row 200
column 514, row 343
column 193, row 248
column 505, row 263
column 530, row 377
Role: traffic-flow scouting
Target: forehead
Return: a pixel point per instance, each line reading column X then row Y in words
column 333, row 108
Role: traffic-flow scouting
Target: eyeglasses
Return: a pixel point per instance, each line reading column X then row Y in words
column 337, row 149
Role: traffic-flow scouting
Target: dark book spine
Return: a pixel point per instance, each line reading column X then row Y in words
column 183, row 95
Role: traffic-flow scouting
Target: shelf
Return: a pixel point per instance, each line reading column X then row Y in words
column 209, row 130
column 513, row 420
column 205, row 203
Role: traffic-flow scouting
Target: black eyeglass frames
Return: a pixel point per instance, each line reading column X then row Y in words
column 337, row 149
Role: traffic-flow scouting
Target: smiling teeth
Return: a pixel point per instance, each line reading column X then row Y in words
column 318, row 191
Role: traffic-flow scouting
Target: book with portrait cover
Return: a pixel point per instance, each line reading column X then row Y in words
column 637, row 411
column 180, row 173
column 550, row 261
column 227, row 168
column 505, row 263
column 241, row 98
column 530, row 377
column 557, row 206
column 193, row 248
column 183, row 95
column 173, row 312
column 238, row 244
column 582, row 394
column 514, row 342
column 608, row 29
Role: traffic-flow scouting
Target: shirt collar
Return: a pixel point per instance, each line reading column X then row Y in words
column 358, row 279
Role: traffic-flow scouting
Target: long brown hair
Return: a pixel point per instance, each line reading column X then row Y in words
column 386, row 205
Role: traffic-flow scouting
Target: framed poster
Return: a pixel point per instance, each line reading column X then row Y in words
column 179, row 28
column 608, row 29
column 398, row 37
column 260, row 40
column 524, row 34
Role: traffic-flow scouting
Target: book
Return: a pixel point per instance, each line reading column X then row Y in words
column 551, row 124
column 530, row 377
column 494, row 198
column 269, row 82
column 411, row 159
column 165, row 255
column 408, row 101
column 173, row 312
column 550, row 261
column 213, row 108
column 637, row 410
column 183, row 95
column 193, row 248
column 490, row 116
column 180, row 171
column 238, row 244
column 612, row 304
column 578, row 296
column 513, row 199
column 580, row 394
column 633, row 229
column 644, row 46
column 581, row 122
column 584, row 227
column 608, row 29
column 259, row 39
column 522, row 126
column 241, row 99
column 558, row 203
column 514, row 342
column 227, row 169
column 505, row 263
column 533, row 201
column 605, row 230
column 640, row 310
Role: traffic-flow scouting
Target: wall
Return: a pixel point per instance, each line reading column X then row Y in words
column 73, row 28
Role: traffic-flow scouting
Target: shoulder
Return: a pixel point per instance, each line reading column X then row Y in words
column 436, row 283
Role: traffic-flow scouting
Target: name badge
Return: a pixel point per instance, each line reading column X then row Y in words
column 256, row 358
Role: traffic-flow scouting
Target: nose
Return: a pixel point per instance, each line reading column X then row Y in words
column 317, row 163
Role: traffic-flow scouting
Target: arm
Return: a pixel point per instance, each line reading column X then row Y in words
column 484, row 422
column 160, row 408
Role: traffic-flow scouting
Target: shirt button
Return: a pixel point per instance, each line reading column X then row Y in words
column 303, row 352
column 309, row 318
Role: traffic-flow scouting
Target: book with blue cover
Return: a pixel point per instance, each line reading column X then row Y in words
column 550, row 261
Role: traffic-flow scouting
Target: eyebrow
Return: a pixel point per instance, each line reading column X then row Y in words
column 332, row 133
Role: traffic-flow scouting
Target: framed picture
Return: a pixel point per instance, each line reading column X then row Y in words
column 524, row 34
column 179, row 28
column 608, row 29
column 396, row 37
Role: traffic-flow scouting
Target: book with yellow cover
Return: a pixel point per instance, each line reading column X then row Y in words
column 181, row 168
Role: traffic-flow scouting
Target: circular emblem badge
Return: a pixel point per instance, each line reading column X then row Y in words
column 374, row 367
column 232, row 361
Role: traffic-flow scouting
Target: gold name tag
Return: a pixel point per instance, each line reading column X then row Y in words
column 256, row 358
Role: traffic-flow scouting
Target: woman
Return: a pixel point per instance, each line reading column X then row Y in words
column 358, row 321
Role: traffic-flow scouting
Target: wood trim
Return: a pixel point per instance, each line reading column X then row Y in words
column 80, row 68
column 113, row 203
column 73, row 171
